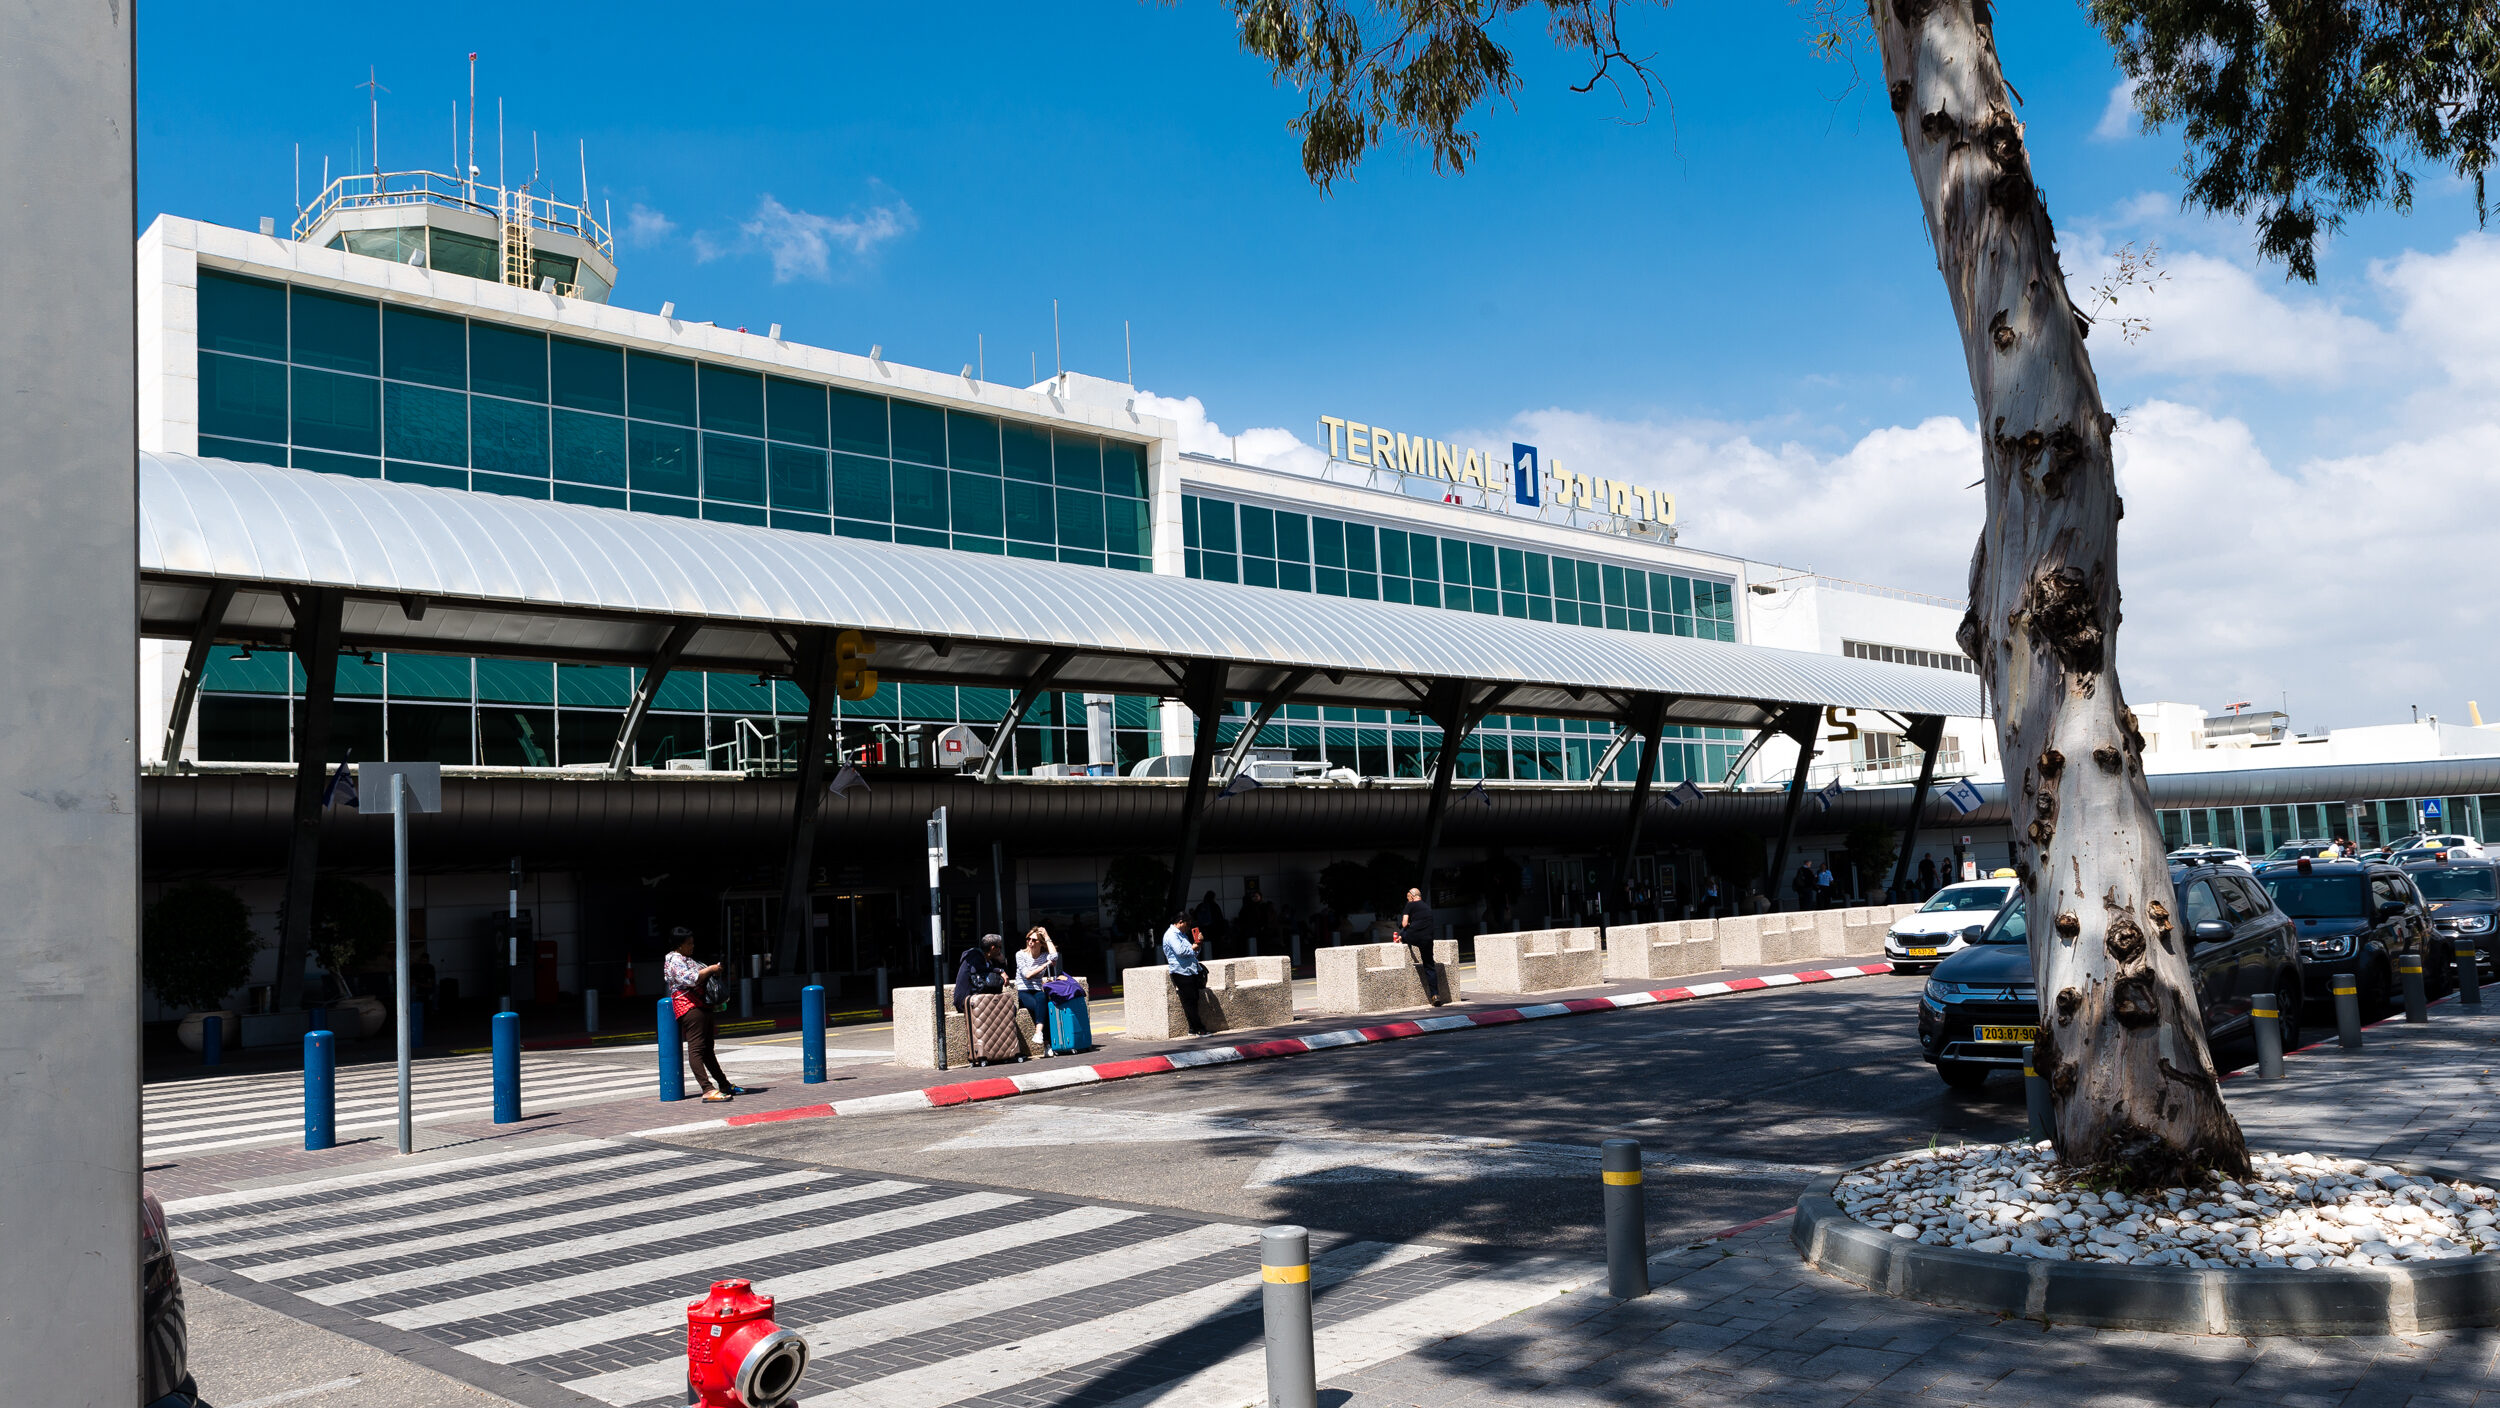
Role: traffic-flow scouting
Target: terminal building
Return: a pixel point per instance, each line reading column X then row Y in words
column 414, row 488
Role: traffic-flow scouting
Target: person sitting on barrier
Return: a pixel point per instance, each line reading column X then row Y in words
column 1418, row 926
column 690, row 990
column 981, row 971
column 1037, row 963
column 1189, row 976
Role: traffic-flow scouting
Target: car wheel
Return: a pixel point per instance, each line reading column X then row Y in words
column 1962, row 1075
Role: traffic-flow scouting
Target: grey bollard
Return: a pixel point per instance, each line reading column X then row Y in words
column 1285, row 1286
column 2036, row 1100
column 746, row 998
column 885, row 995
column 2417, row 998
column 2267, row 1020
column 1627, row 1219
column 2469, row 976
column 590, row 1010
column 2347, row 1015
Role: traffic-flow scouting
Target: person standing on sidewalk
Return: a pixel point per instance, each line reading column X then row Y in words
column 1418, row 927
column 1189, row 976
column 690, row 987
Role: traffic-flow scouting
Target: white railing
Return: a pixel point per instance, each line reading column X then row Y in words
column 1879, row 772
column 389, row 188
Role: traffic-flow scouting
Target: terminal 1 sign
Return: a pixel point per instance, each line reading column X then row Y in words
column 1529, row 482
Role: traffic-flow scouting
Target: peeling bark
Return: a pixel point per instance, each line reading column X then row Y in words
column 2125, row 1056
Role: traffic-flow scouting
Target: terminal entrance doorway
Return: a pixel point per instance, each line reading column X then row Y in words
column 855, row 933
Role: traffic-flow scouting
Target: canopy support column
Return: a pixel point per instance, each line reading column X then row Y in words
column 194, row 663
column 672, row 645
column 1448, row 706
column 1202, row 690
column 1267, row 710
column 316, row 644
column 1005, row 733
column 1803, row 723
column 1648, row 719
column 808, row 667
column 1926, row 735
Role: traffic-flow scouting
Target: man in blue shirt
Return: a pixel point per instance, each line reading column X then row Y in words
column 1189, row 976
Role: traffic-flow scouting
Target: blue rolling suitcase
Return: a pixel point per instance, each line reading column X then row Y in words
column 1071, row 1026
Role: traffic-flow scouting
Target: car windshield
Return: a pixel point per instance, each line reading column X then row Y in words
column 1975, row 897
column 2320, row 896
column 2441, row 882
column 2008, row 927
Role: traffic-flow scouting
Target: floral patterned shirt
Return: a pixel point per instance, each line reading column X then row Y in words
column 682, row 974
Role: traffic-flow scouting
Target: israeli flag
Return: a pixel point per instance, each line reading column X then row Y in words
column 1478, row 795
column 342, row 788
column 1682, row 793
column 1827, row 794
column 847, row 779
column 1241, row 782
column 1964, row 797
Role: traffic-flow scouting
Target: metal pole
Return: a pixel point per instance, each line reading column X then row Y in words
column 512, row 940
column 1285, row 1286
column 320, row 1091
column 937, row 931
column 2268, row 1021
column 590, row 1011
column 2469, row 976
column 1627, row 1219
column 212, row 1041
column 507, row 1067
column 2347, row 1014
column 812, row 1034
column 400, row 1001
column 2417, row 1001
column 672, row 1055
column 2036, row 1104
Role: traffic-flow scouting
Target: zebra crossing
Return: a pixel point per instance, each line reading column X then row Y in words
column 573, row 1262
column 205, row 1115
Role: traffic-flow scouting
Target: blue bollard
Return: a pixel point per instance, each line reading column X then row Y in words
column 317, row 1020
column 672, row 1055
column 507, row 1067
column 321, row 1112
column 416, row 1025
column 812, row 1035
column 212, row 1041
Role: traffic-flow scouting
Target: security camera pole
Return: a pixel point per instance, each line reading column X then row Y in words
column 937, row 929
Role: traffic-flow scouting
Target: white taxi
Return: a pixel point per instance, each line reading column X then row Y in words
column 1934, row 931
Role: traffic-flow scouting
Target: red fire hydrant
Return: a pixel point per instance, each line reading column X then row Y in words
column 736, row 1357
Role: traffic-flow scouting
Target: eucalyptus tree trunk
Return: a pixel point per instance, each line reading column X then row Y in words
column 2121, row 1038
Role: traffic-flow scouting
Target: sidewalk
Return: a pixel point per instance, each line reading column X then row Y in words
column 1740, row 1319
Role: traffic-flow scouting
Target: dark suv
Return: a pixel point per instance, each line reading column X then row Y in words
column 2464, row 897
column 2355, row 916
column 1981, row 1007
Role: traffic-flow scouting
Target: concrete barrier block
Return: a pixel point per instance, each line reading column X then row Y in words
column 1543, row 961
column 1790, row 937
column 1243, row 993
column 1675, row 949
column 1359, row 978
column 1740, row 939
column 912, row 1043
column 1831, row 937
column 1863, row 933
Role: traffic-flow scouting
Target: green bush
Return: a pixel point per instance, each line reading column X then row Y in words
column 352, row 926
column 196, row 945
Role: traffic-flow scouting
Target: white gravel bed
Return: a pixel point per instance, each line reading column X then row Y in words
column 2300, row 1211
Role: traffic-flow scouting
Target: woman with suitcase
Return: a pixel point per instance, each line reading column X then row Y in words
column 980, row 982
column 1037, row 963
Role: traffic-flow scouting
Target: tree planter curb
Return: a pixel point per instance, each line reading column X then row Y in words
column 2444, row 1295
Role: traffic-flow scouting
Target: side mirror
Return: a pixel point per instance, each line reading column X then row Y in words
column 1972, row 934
column 2209, row 931
column 2391, row 909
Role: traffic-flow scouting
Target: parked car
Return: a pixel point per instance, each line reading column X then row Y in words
column 2294, row 850
column 164, row 1339
column 2463, row 893
column 1981, row 1007
column 2450, row 842
column 1920, row 939
column 2207, row 855
column 2354, row 917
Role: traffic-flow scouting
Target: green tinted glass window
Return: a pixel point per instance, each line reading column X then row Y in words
column 1258, row 532
column 242, row 398
column 1293, row 541
column 334, row 412
column 1327, row 542
column 1636, row 589
column 919, row 432
column 1215, row 525
column 473, row 255
column 971, row 441
column 798, row 479
column 244, row 450
column 863, row 488
column 977, row 507
column 422, row 423
column 1393, row 553
column 1361, row 553
column 859, row 423
column 1031, row 515
column 733, row 401
column 1513, row 566
column 1454, row 562
column 507, row 437
column 659, row 388
column 1589, row 594
column 242, row 315
column 1076, row 461
column 661, row 458
column 586, row 376
column 429, row 677
column 590, row 449
column 426, row 347
column 1125, row 526
column 669, row 504
column 594, row 686
column 506, row 362
column 1540, row 576
column 795, row 411
column 1027, row 453
column 1081, row 522
column 919, row 495
column 733, row 469
column 363, row 680
column 1124, row 469
column 342, row 334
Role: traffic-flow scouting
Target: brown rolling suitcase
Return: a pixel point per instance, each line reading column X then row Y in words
column 994, row 1027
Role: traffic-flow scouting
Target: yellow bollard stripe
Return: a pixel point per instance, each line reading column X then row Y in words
column 2262, row 1013
column 2344, row 989
column 1621, row 1179
column 1285, row 1275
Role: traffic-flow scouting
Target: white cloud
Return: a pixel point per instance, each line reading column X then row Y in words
column 2445, row 306
column 646, row 226
column 1268, row 447
column 2118, row 118
column 2209, row 316
column 802, row 244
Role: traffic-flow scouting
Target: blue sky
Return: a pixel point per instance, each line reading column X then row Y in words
column 1731, row 295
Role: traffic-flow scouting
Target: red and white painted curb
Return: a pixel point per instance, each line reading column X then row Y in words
column 1001, row 1087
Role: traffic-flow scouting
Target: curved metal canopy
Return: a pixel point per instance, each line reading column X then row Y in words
column 437, row 570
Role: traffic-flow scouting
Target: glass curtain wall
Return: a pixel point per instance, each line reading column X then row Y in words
column 2257, row 830
column 1395, row 743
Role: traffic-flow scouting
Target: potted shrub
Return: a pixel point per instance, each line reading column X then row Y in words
column 353, row 927
column 196, row 946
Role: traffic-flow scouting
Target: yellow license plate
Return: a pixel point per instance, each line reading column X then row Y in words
column 1920, row 952
column 2012, row 1034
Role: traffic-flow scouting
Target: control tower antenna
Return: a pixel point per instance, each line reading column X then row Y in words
column 470, row 176
column 373, row 94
